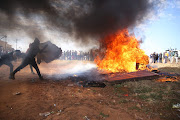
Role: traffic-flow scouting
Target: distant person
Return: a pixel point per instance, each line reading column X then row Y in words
column 163, row 57
column 30, row 59
column 176, row 57
column 154, row 57
column 7, row 59
column 160, row 58
column 171, row 56
column 166, row 56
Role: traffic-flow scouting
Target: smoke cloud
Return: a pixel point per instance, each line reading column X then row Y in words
column 109, row 16
column 82, row 18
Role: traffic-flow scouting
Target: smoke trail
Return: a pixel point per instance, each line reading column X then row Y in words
column 84, row 18
column 109, row 16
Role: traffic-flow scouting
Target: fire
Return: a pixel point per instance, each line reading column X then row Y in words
column 121, row 53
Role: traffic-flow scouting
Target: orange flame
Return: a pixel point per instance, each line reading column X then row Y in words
column 122, row 53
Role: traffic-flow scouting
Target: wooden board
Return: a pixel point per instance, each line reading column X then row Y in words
column 139, row 75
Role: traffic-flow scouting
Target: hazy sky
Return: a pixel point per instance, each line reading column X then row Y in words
column 163, row 32
column 159, row 32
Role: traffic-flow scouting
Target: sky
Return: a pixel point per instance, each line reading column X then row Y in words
column 159, row 32
column 163, row 32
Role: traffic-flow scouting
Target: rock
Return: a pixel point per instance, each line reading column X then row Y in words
column 70, row 85
column 86, row 118
column 99, row 95
column 17, row 93
column 138, row 105
column 58, row 113
column 137, row 117
column 44, row 114
column 176, row 105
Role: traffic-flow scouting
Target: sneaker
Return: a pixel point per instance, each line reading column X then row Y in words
column 11, row 76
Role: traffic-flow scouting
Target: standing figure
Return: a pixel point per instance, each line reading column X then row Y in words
column 160, row 58
column 171, row 56
column 29, row 59
column 176, row 57
column 7, row 59
column 157, row 57
column 166, row 56
column 154, row 57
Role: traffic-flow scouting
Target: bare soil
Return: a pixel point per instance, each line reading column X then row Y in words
column 62, row 98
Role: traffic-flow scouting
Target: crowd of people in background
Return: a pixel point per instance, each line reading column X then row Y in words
column 165, row 57
column 77, row 55
column 168, row 56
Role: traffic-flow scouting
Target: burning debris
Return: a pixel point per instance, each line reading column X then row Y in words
column 121, row 53
column 168, row 77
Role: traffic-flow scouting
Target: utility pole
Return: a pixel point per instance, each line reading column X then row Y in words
column 16, row 44
column 5, row 42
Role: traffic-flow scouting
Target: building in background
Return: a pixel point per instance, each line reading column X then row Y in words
column 5, row 47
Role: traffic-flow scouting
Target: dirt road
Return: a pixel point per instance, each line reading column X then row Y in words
column 63, row 99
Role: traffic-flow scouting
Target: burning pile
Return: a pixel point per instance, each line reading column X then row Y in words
column 121, row 53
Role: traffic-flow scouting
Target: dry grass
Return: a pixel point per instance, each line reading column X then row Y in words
column 155, row 98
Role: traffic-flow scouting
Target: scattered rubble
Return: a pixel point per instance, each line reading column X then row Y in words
column 17, row 93
column 86, row 118
column 44, row 114
column 176, row 105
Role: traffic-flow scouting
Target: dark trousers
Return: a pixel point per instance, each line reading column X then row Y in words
column 28, row 61
column 8, row 64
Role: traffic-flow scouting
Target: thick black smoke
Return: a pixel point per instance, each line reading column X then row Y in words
column 109, row 16
column 82, row 17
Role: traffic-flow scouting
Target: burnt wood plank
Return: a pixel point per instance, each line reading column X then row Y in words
column 139, row 75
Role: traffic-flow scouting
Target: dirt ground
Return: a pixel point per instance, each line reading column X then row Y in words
column 63, row 99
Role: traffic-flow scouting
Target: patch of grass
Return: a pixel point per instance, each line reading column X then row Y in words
column 123, row 101
column 143, row 96
column 118, row 85
column 156, row 96
column 143, row 90
column 134, row 108
column 170, row 69
column 121, row 90
column 103, row 115
column 93, row 91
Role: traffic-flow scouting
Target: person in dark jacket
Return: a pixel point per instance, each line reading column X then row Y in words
column 29, row 59
column 160, row 58
column 23, row 55
column 7, row 59
column 157, row 57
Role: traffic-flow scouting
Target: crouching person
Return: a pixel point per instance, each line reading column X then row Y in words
column 7, row 59
column 29, row 59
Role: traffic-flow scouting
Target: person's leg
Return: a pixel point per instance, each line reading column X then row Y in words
column 176, row 60
column 171, row 59
column 23, row 64
column 31, row 69
column 33, row 63
column 165, row 59
column 11, row 67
